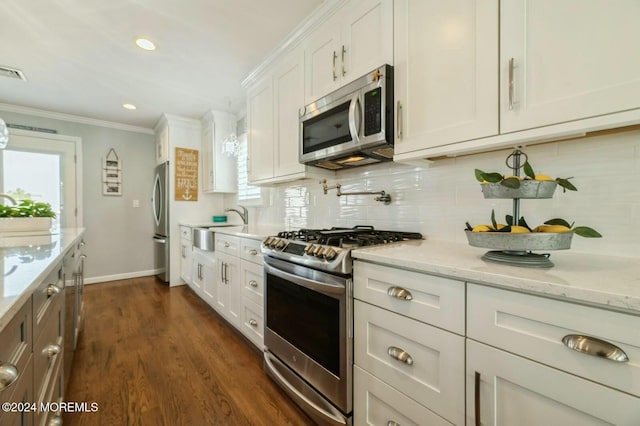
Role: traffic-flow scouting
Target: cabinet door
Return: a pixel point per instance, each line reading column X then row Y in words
column 196, row 275
column 516, row 391
column 207, row 157
column 208, row 272
column 162, row 145
column 288, row 89
column 260, row 131
column 225, row 171
column 229, row 288
column 185, row 260
column 322, row 61
column 571, row 60
column 446, row 83
column 366, row 38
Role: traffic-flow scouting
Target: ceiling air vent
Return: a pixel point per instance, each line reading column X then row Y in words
column 12, row 73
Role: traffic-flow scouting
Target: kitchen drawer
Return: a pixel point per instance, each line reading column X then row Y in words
column 49, row 290
column 252, row 282
column 434, row 377
column 378, row 404
column 47, row 349
column 16, row 342
column 435, row 300
column 185, row 232
column 20, row 391
column 533, row 327
column 250, row 250
column 228, row 244
column 252, row 322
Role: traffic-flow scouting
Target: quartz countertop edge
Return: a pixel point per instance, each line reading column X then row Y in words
column 254, row 232
column 604, row 281
column 64, row 239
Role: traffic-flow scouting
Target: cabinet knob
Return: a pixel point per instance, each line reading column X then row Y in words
column 55, row 421
column 253, row 283
column 400, row 293
column 52, row 289
column 253, row 252
column 392, row 423
column 8, row 375
column 227, row 245
column 253, row 323
column 595, row 347
column 399, row 355
column 51, row 350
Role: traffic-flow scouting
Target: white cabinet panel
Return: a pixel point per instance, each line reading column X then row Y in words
column 446, row 63
column 252, row 277
column 219, row 171
column 260, row 130
column 516, row 391
column 572, row 59
column 428, row 365
column 228, row 286
column 322, row 66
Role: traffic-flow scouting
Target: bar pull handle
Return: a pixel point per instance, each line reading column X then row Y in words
column 477, row 399
column 511, row 83
column 399, row 355
column 595, row 347
column 400, row 293
column 344, row 50
column 399, row 122
column 335, row 56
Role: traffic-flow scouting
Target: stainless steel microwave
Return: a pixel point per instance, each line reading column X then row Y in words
column 352, row 126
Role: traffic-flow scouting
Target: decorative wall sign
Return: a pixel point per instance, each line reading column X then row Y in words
column 111, row 174
column 186, row 174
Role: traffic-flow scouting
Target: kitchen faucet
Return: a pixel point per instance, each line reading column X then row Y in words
column 8, row 197
column 244, row 214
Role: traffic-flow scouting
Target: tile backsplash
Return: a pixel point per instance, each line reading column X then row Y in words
column 438, row 200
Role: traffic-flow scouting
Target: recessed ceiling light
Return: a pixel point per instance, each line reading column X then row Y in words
column 128, row 106
column 145, row 44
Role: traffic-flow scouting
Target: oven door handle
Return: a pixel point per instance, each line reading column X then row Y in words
column 314, row 285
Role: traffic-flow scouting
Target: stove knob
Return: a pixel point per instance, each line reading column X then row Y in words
column 267, row 241
column 309, row 249
column 330, row 254
column 280, row 244
column 321, row 252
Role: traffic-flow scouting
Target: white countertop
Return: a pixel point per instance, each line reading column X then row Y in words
column 26, row 262
column 607, row 281
column 254, row 232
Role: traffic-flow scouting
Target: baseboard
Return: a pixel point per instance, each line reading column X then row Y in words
column 116, row 277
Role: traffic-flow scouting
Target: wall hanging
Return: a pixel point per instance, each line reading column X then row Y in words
column 186, row 174
column 111, row 174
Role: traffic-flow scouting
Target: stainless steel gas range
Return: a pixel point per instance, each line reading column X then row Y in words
column 308, row 311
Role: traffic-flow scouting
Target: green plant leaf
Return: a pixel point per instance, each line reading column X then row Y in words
column 505, row 229
column 524, row 223
column 586, row 232
column 558, row 221
column 479, row 175
column 565, row 184
column 492, row 177
column 469, row 227
column 509, row 219
column 511, row 182
column 528, row 170
column 493, row 220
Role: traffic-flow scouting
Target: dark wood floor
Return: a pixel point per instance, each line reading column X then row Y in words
column 150, row 355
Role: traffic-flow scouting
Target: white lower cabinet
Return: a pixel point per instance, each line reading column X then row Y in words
column 229, row 292
column 186, row 254
column 252, row 283
column 376, row 403
column 513, row 390
column 203, row 275
column 404, row 345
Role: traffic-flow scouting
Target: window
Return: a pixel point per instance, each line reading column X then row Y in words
column 42, row 167
column 246, row 192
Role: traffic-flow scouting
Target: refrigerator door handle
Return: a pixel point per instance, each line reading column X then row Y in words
column 158, row 203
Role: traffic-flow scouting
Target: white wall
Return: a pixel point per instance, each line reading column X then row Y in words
column 437, row 201
column 118, row 236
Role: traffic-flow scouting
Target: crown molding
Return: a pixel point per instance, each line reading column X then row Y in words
column 321, row 14
column 73, row 118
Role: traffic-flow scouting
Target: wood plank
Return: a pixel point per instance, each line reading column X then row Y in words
column 151, row 355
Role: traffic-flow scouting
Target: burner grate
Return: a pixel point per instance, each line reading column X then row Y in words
column 357, row 236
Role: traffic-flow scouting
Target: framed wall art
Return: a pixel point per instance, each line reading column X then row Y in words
column 111, row 174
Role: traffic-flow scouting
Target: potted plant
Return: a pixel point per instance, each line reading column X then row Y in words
column 26, row 216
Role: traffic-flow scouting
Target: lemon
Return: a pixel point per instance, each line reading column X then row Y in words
column 519, row 230
column 552, row 228
column 513, row 177
column 499, row 226
column 481, row 228
column 543, row 177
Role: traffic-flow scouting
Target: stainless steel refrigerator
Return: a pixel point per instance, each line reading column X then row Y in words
column 160, row 203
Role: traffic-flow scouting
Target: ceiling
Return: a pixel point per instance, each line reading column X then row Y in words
column 80, row 57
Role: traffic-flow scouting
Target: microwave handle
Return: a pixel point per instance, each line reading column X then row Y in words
column 355, row 118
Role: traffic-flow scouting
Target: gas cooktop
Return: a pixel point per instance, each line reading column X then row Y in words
column 329, row 249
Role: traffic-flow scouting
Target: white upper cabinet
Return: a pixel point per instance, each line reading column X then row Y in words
column 260, row 130
column 219, row 171
column 446, row 59
column 568, row 60
column 162, row 145
column 356, row 40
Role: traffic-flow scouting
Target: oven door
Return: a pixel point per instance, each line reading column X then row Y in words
column 308, row 328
